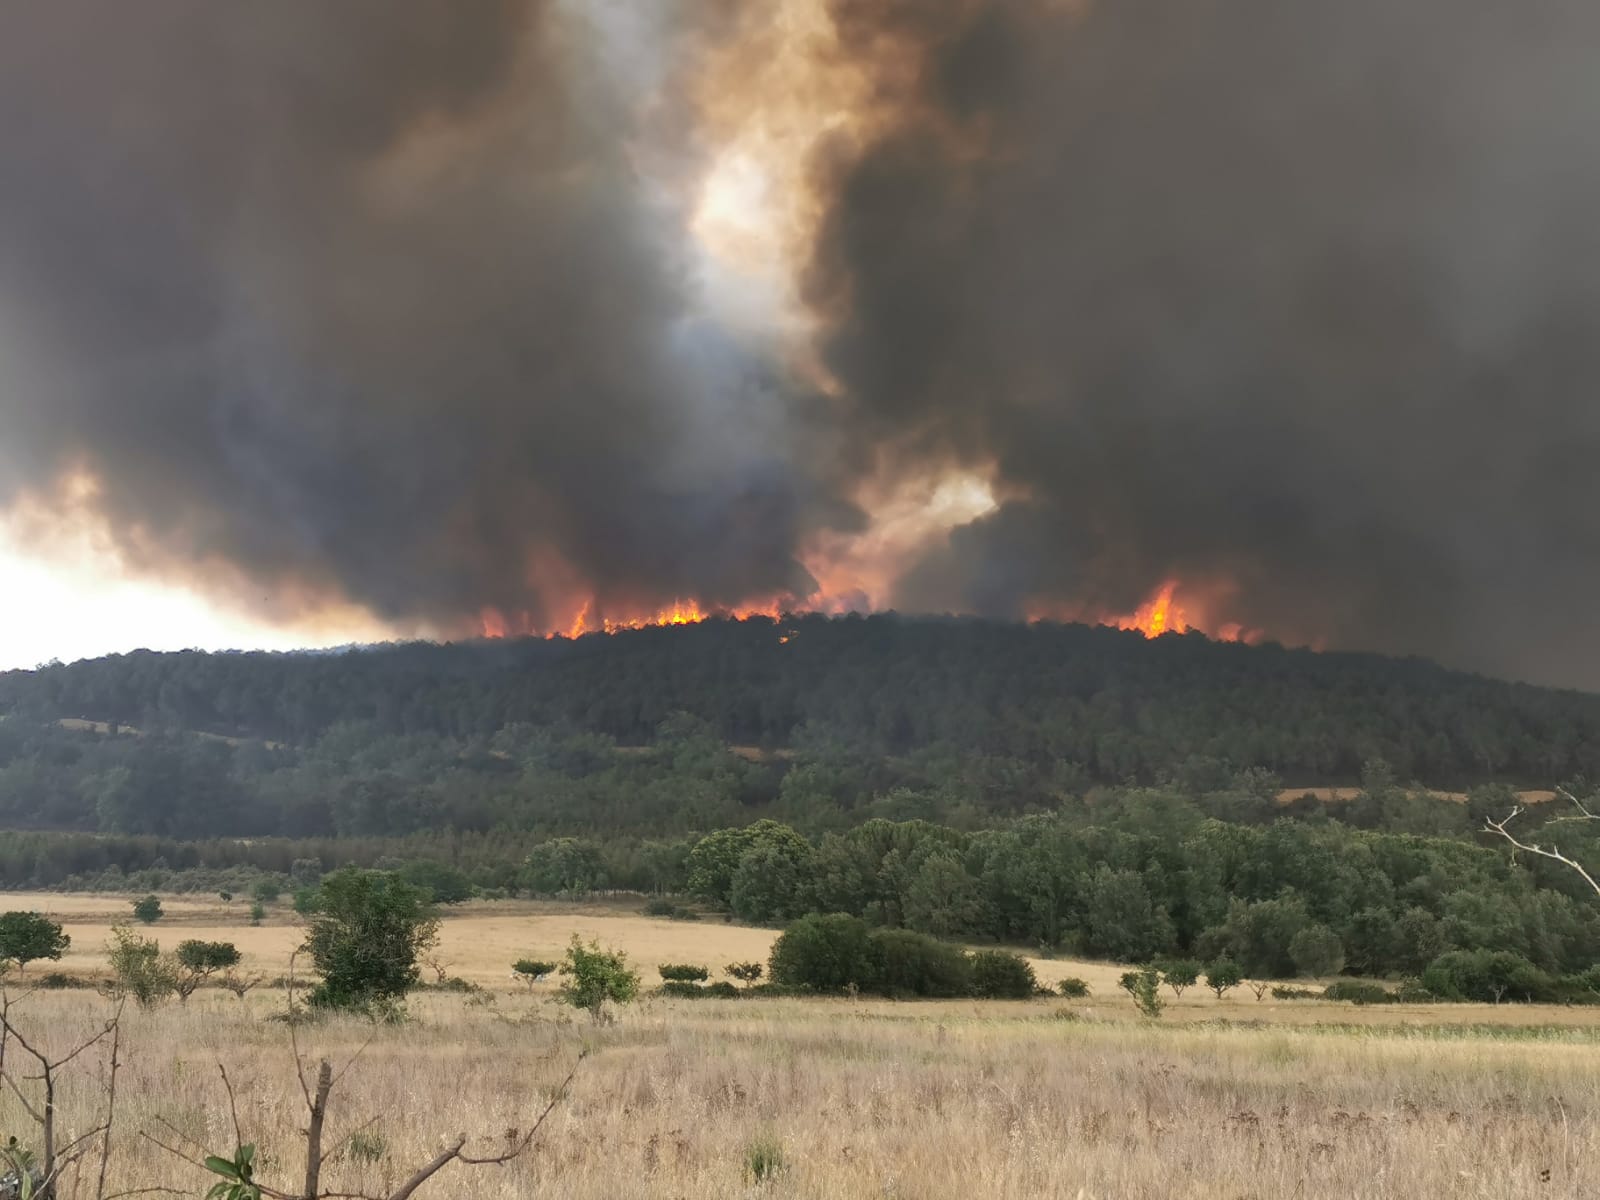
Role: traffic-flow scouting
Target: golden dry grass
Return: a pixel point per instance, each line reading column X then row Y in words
column 1235, row 1099
column 870, row 1100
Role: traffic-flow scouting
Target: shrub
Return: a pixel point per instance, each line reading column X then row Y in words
column 595, row 976
column 660, row 908
column 225, row 896
column 683, row 973
column 1144, row 988
column 681, row 989
column 267, row 891
column 825, row 953
column 721, row 990
column 1486, row 975
column 1317, row 951
column 27, row 937
column 55, row 981
column 1223, row 976
column 763, row 1158
column 139, row 971
column 746, row 973
column 1356, row 991
column 531, row 970
column 1001, row 975
column 914, row 964
column 1073, row 988
column 1285, row 992
column 370, row 929
column 198, row 961
column 148, row 910
column 1179, row 974
column 258, row 912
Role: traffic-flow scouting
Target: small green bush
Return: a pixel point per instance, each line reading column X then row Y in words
column 148, row 909
column 595, row 976
column 683, row 973
column 747, row 973
column 1286, row 992
column 660, row 908
column 258, row 912
column 826, row 952
column 1487, row 975
column 764, row 1158
column 914, row 964
column 1144, row 989
column 1001, row 975
column 1073, row 988
column 1356, row 991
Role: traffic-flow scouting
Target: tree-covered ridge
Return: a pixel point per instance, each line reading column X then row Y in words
column 1100, row 704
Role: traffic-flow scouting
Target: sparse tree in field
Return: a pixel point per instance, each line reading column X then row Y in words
column 370, row 929
column 225, row 896
column 531, row 970
column 1223, row 976
column 595, row 975
column 148, row 909
column 747, row 973
column 258, row 913
column 1144, row 988
column 139, row 971
column 1179, row 974
column 683, row 973
column 199, row 961
column 1073, row 988
column 1258, row 986
column 1502, row 828
column 26, row 937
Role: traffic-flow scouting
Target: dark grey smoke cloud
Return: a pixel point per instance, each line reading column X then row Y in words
column 392, row 300
column 377, row 298
column 1300, row 294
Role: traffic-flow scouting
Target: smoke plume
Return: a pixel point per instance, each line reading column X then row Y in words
column 400, row 303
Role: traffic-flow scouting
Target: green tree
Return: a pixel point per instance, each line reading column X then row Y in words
column 367, row 935
column 1121, row 920
column 1317, row 951
column 1144, row 989
column 199, row 960
column 715, row 858
column 826, row 953
column 683, row 972
column 531, row 970
column 139, row 970
column 595, row 976
column 564, row 867
column 1001, row 975
column 148, row 909
column 914, row 964
column 1223, row 976
column 258, row 912
column 747, row 973
column 26, row 937
column 1179, row 974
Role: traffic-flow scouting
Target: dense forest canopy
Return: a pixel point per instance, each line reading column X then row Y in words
column 1112, row 704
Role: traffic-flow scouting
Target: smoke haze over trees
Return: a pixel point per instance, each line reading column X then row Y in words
column 408, row 306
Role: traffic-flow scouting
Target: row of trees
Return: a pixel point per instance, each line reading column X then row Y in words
column 1160, row 881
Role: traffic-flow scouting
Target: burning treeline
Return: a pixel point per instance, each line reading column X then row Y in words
column 1262, row 316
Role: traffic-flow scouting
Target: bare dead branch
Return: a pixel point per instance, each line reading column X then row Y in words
column 1502, row 828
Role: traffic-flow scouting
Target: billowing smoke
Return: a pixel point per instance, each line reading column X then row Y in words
column 398, row 302
column 387, row 300
column 1296, row 299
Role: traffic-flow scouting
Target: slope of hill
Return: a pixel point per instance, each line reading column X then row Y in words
column 1112, row 704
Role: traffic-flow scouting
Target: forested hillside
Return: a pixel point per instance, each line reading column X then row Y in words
column 1113, row 705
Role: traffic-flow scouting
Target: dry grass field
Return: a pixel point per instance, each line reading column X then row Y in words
column 1235, row 1100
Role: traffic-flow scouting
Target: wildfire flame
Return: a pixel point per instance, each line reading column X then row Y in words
column 1165, row 612
column 586, row 619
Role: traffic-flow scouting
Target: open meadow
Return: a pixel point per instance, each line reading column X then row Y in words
column 1050, row 1098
